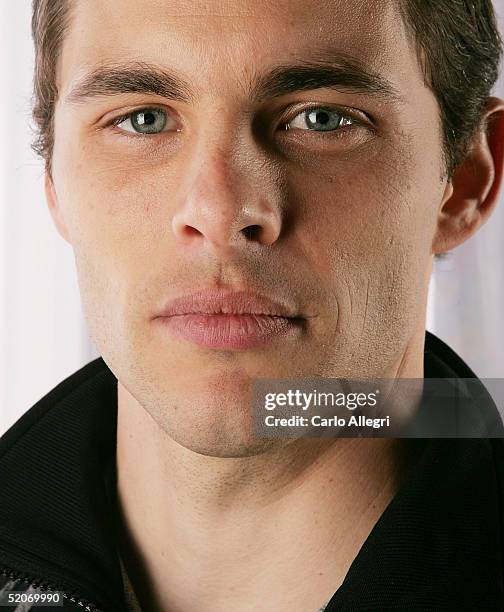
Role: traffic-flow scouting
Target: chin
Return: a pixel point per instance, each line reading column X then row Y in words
column 226, row 448
column 212, row 422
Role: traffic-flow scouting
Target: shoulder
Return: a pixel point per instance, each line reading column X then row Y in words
column 91, row 382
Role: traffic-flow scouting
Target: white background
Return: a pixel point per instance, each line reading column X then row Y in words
column 43, row 337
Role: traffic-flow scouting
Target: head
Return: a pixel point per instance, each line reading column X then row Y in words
column 322, row 158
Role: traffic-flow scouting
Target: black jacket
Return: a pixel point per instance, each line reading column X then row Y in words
column 438, row 545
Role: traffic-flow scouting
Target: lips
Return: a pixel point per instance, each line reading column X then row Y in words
column 228, row 320
column 226, row 302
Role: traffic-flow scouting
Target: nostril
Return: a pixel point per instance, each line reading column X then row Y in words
column 251, row 231
column 189, row 230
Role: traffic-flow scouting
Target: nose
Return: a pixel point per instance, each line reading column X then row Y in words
column 229, row 202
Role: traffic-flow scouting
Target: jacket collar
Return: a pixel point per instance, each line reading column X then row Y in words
column 56, row 524
column 54, row 519
column 439, row 544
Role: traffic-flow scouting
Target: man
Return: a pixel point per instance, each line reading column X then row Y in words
column 256, row 189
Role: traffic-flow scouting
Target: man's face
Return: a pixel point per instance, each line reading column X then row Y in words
column 346, row 200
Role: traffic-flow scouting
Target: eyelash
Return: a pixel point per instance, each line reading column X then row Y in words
column 345, row 114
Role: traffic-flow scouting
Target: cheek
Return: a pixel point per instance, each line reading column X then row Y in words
column 108, row 210
column 109, row 207
column 366, row 231
column 367, row 213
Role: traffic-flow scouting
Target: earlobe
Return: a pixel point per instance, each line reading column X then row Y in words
column 472, row 193
column 54, row 207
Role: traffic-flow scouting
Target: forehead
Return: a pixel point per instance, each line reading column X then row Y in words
column 219, row 43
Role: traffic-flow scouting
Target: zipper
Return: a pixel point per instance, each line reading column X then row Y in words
column 35, row 583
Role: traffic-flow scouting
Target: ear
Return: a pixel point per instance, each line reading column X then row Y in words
column 54, row 207
column 472, row 194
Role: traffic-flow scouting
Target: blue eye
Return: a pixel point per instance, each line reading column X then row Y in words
column 143, row 121
column 319, row 119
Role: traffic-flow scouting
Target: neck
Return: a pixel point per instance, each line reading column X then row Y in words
column 229, row 531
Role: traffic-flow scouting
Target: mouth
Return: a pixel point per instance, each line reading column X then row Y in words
column 232, row 321
column 230, row 331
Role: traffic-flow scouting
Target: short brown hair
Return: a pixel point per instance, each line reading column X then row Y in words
column 50, row 19
column 457, row 42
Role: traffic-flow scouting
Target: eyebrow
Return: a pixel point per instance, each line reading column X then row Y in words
column 133, row 77
column 327, row 70
column 334, row 71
